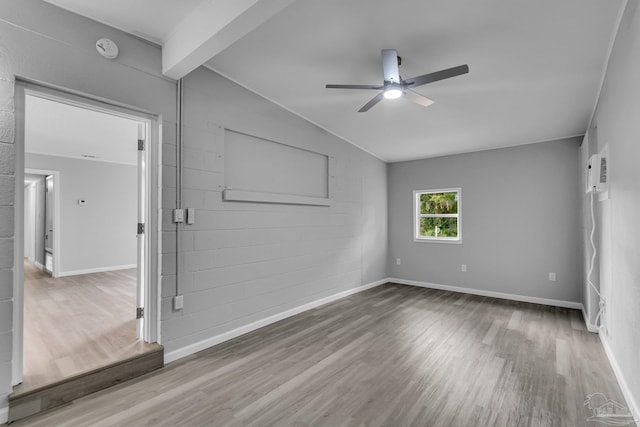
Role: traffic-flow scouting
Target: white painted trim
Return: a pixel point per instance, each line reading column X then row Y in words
column 96, row 270
column 154, row 184
column 260, row 197
column 479, row 150
column 85, row 101
column 632, row 402
column 39, row 266
column 590, row 326
column 4, row 414
column 501, row 295
column 91, row 102
column 210, row 342
column 416, row 217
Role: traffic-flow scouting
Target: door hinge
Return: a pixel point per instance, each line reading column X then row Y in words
column 139, row 312
column 141, row 145
column 140, row 228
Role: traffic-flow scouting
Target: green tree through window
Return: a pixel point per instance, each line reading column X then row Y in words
column 438, row 214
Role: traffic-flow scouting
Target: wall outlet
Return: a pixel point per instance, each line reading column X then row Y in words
column 463, row 268
column 178, row 302
column 398, row 262
column 552, row 276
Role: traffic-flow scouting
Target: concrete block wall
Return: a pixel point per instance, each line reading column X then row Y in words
column 243, row 262
column 7, row 196
column 40, row 42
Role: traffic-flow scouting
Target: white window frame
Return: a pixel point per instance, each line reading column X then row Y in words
column 417, row 215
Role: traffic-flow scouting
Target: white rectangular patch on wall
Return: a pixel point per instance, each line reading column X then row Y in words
column 264, row 171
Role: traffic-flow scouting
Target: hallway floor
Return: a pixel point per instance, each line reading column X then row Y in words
column 76, row 324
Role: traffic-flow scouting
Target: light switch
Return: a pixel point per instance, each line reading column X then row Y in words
column 191, row 216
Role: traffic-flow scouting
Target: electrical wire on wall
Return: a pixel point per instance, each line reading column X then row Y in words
column 179, row 135
column 601, row 304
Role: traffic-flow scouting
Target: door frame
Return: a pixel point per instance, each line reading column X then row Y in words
column 152, row 235
column 30, row 222
column 56, row 213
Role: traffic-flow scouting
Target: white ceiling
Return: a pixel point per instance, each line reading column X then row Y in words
column 536, row 67
column 59, row 129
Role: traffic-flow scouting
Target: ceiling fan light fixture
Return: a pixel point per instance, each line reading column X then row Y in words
column 393, row 92
column 394, row 87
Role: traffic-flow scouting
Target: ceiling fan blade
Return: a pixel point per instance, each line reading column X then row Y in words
column 438, row 75
column 354, row 87
column 390, row 65
column 371, row 103
column 417, row 98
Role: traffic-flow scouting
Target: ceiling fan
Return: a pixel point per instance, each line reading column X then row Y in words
column 395, row 87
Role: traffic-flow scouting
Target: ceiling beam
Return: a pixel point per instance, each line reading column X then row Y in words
column 210, row 28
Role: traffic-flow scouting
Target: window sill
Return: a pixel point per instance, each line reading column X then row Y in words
column 455, row 242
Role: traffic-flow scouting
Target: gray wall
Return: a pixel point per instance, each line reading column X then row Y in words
column 616, row 120
column 244, row 262
column 100, row 235
column 519, row 221
column 44, row 43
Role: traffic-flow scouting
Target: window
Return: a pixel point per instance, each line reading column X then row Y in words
column 437, row 215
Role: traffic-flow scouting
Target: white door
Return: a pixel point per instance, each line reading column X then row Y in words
column 28, row 223
column 49, row 229
column 33, row 231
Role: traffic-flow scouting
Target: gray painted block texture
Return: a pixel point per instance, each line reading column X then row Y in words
column 242, row 262
column 7, row 182
column 41, row 42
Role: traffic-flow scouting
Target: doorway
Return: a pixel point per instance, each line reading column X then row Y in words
column 40, row 203
column 87, row 274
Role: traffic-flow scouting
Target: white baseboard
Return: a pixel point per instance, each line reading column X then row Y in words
column 4, row 414
column 210, row 342
column 626, row 391
column 501, row 295
column 96, row 270
column 590, row 326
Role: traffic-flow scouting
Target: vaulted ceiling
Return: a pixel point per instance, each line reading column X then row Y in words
column 535, row 67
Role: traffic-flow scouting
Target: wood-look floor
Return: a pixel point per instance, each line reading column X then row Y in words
column 391, row 356
column 76, row 324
